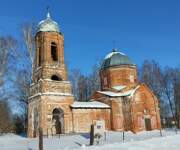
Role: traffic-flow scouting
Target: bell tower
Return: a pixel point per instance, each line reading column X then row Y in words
column 49, row 59
column 50, row 92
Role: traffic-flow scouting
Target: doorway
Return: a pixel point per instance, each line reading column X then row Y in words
column 58, row 120
column 148, row 124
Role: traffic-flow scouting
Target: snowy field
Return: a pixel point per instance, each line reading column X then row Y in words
column 149, row 140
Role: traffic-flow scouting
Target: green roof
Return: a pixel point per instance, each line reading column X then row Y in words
column 116, row 58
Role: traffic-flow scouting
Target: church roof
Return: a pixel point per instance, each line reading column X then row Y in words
column 119, row 87
column 93, row 104
column 116, row 58
column 48, row 25
column 120, row 94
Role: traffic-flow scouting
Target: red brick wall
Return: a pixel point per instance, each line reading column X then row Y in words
column 143, row 99
column 48, row 67
column 145, row 105
column 83, row 118
column 48, row 89
column 121, row 75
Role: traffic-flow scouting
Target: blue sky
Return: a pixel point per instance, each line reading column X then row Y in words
column 143, row 29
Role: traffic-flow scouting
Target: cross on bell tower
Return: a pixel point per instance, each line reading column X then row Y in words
column 48, row 12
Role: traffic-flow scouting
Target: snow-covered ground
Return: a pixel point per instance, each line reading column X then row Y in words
column 149, row 140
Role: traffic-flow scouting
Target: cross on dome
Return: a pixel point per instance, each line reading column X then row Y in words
column 48, row 13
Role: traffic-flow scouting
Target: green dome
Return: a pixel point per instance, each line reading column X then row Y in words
column 116, row 58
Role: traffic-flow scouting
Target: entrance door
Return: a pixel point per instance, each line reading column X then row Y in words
column 148, row 124
column 58, row 119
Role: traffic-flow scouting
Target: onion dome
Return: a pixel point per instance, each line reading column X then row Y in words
column 116, row 58
column 48, row 25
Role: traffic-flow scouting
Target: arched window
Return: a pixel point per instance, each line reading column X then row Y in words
column 54, row 51
column 56, row 78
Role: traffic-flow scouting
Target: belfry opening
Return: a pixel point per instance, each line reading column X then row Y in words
column 54, row 51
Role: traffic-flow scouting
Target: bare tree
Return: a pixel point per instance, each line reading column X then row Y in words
column 74, row 76
column 165, row 83
column 22, row 75
column 28, row 32
column 5, row 114
column 7, row 54
column 151, row 74
column 85, row 85
column 168, row 82
column 176, row 93
column 83, row 88
column 94, row 79
column 7, row 51
column 7, row 45
column 22, row 83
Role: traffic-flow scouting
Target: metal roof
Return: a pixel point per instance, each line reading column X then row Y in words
column 48, row 25
column 116, row 58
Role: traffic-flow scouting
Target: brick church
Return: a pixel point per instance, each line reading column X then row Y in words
column 123, row 102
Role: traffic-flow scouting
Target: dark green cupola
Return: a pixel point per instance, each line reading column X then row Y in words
column 116, row 58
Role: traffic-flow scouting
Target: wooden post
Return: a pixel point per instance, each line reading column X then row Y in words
column 40, row 139
column 92, row 135
column 51, row 132
column 105, row 135
column 47, row 133
column 123, row 136
column 160, row 132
